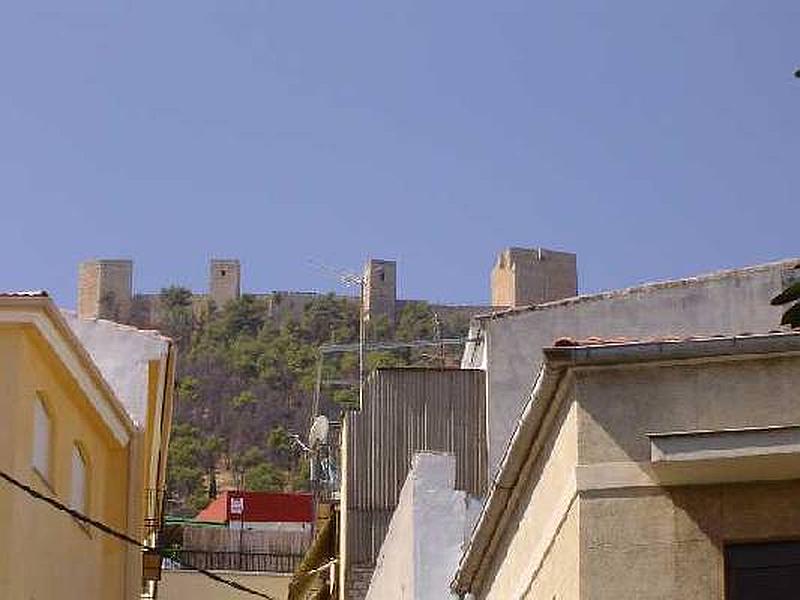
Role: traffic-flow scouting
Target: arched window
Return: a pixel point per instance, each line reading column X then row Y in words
column 42, row 438
column 79, row 492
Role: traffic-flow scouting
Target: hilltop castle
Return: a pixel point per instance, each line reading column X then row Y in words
column 520, row 277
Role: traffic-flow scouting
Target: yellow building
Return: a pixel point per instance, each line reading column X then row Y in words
column 86, row 409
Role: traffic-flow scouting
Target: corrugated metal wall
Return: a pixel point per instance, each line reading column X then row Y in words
column 407, row 411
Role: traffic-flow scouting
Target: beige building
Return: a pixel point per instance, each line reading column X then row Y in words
column 86, row 408
column 189, row 585
column 644, row 470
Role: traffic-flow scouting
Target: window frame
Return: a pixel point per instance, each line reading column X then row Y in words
column 79, row 452
column 44, row 471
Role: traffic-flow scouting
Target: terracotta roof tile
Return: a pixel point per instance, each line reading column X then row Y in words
column 608, row 341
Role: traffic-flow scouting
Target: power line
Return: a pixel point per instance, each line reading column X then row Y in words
column 337, row 348
column 124, row 537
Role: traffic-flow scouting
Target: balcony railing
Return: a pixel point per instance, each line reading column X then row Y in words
column 233, row 561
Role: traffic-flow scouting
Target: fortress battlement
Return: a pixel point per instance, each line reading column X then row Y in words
column 521, row 276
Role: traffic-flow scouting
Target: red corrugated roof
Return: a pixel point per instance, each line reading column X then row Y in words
column 263, row 507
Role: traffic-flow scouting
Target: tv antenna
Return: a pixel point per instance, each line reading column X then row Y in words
column 350, row 279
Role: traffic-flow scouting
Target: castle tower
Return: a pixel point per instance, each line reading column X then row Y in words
column 525, row 276
column 224, row 281
column 105, row 289
column 380, row 289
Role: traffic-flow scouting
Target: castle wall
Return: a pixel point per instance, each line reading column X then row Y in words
column 525, row 276
column 225, row 280
column 105, row 289
column 380, row 289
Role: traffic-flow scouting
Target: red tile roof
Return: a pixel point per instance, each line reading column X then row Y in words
column 263, row 507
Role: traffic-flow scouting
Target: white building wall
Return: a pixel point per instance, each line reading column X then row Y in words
column 509, row 347
column 426, row 534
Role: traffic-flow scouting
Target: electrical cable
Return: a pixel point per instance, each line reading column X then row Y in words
column 124, row 537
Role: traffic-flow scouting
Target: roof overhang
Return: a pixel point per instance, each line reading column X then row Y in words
column 727, row 455
column 559, row 361
column 40, row 313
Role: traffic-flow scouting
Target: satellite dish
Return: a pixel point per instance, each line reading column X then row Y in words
column 319, row 431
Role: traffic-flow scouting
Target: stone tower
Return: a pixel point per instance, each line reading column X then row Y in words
column 380, row 289
column 525, row 276
column 105, row 289
column 224, row 281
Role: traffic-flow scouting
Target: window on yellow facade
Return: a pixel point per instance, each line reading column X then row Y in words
column 79, row 491
column 42, row 438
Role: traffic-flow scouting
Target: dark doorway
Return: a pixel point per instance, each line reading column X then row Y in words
column 762, row 571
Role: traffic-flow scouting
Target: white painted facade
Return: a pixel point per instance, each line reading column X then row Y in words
column 426, row 534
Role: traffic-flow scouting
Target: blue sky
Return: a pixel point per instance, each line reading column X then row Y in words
column 656, row 140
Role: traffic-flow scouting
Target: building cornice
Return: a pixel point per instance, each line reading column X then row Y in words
column 522, row 450
column 40, row 313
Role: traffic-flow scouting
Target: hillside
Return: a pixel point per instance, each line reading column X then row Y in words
column 245, row 385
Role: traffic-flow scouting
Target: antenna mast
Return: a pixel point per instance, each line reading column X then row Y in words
column 350, row 279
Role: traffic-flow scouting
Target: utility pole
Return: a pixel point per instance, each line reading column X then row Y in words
column 361, row 343
column 353, row 280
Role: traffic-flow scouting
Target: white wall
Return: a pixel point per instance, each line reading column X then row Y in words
column 724, row 303
column 423, row 545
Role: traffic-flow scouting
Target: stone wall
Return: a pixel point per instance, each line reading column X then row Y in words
column 380, row 289
column 525, row 276
column 105, row 289
column 224, row 281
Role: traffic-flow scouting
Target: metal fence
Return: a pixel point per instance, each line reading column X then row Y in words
column 233, row 561
column 408, row 411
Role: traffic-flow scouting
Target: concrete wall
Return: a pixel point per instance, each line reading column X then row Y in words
column 48, row 555
column 639, row 540
column 620, row 406
column 425, row 536
column 407, row 411
column 729, row 302
column 670, row 544
column 184, row 585
column 538, row 558
column 140, row 367
column 597, row 512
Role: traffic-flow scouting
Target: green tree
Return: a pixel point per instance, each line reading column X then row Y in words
column 280, row 443
column 177, row 320
column 415, row 322
column 791, row 294
column 264, row 477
